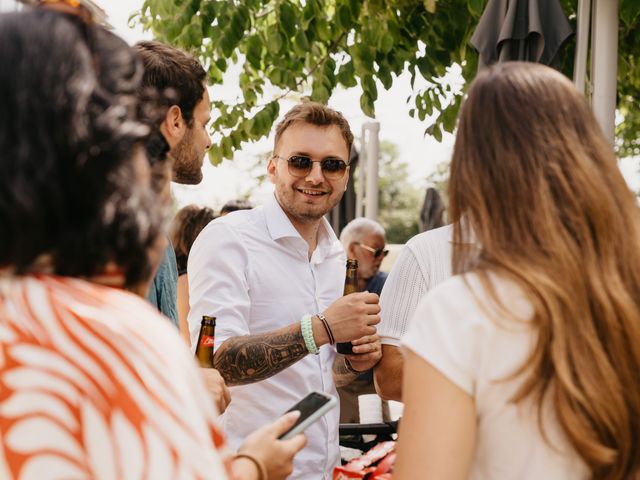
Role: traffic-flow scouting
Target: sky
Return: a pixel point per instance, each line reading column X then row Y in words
column 234, row 178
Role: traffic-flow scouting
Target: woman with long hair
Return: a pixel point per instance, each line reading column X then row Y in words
column 527, row 363
column 93, row 382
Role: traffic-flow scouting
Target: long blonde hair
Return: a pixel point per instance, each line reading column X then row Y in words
column 539, row 185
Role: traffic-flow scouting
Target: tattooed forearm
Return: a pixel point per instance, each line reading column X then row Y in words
column 342, row 375
column 252, row 358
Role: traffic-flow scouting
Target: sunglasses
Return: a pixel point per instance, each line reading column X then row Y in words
column 301, row 165
column 375, row 251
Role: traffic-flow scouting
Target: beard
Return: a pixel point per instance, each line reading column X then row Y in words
column 187, row 162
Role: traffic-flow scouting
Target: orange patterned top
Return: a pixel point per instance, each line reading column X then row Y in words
column 95, row 384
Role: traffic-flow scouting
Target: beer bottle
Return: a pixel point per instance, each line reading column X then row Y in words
column 204, row 347
column 350, row 286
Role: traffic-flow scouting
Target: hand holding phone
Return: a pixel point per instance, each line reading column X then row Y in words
column 311, row 408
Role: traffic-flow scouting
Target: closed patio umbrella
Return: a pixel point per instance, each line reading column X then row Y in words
column 528, row 30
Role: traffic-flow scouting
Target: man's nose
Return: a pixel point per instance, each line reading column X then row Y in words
column 315, row 175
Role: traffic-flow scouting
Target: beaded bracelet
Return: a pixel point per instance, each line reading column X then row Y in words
column 307, row 335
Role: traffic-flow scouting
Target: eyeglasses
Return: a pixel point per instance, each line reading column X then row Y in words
column 375, row 251
column 301, row 165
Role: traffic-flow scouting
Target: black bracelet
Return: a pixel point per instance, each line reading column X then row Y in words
column 324, row 321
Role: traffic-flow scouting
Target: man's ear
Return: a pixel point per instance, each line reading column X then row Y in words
column 174, row 126
column 350, row 250
column 271, row 170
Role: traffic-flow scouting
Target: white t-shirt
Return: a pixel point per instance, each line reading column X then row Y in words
column 454, row 328
column 251, row 270
column 423, row 263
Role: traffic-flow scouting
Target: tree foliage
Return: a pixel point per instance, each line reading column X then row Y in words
column 399, row 200
column 314, row 46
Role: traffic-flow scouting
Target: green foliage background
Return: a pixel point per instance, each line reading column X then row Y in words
column 314, row 46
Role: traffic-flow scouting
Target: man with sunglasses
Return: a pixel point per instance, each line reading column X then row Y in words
column 273, row 276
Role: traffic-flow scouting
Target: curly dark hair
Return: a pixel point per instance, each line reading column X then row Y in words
column 185, row 227
column 69, row 129
column 175, row 74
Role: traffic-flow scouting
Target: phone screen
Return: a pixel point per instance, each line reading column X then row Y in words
column 307, row 406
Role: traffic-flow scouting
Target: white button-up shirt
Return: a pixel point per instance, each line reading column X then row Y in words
column 250, row 269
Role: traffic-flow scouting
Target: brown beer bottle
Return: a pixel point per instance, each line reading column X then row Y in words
column 204, row 347
column 350, row 286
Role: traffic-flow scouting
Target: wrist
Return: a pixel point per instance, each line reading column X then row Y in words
column 248, row 466
column 319, row 332
column 350, row 368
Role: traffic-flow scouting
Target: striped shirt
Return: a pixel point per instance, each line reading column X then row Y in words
column 93, row 384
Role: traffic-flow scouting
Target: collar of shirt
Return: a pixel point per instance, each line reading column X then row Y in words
column 279, row 226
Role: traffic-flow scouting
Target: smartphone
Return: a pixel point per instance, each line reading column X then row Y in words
column 311, row 408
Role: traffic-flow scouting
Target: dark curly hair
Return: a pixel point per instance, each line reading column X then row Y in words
column 186, row 225
column 69, row 129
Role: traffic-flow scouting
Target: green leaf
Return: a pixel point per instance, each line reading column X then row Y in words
column 215, row 155
column 288, row 18
column 275, row 42
column 385, row 76
column 476, row 7
column 227, row 148
column 347, row 75
column 343, row 17
column 324, row 30
column 254, row 52
column 300, row 43
column 425, row 67
column 386, row 44
column 320, row 93
column 430, row 5
column 221, row 63
column 369, row 87
column 366, row 104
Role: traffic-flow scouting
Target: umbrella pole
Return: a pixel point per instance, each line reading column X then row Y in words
column 604, row 64
column 582, row 44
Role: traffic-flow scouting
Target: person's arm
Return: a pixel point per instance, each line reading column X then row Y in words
column 404, row 288
column 218, row 286
column 251, row 358
column 367, row 354
column 387, row 375
column 183, row 307
column 438, row 429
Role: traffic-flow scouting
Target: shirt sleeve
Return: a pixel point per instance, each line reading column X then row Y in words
column 402, row 291
column 446, row 330
column 218, row 286
column 163, row 291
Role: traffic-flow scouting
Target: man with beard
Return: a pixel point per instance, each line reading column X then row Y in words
column 180, row 81
column 273, row 276
column 177, row 81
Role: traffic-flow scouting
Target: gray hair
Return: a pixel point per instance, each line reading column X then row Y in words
column 358, row 228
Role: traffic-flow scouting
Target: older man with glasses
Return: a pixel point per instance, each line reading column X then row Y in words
column 273, row 276
column 363, row 240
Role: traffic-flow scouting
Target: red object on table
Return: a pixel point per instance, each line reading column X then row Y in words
column 373, row 465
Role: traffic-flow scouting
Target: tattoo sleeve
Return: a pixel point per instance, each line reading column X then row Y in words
column 252, row 358
column 342, row 375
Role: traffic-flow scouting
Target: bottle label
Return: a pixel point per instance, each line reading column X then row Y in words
column 207, row 341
